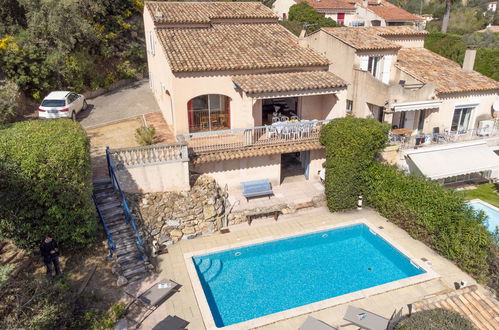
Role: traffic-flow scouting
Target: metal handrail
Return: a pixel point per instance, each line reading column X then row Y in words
column 128, row 215
column 110, row 242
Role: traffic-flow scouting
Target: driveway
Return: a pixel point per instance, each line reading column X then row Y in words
column 130, row 101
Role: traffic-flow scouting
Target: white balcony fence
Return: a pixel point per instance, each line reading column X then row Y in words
column 237, row 138
column 149, row 155
column 420, row 140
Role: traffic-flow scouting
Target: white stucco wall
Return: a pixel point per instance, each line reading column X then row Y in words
column 281, row 7
column 155, row 178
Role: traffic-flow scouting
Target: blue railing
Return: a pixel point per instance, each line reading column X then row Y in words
column 110, row 241
column 128, row 214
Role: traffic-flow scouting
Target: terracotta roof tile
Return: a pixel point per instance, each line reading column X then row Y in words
column 361, row 38
column 391, row 12
column 254, row 151
column 235, row 47
column 329, row 4
column 286, row 82
column 403, row 30
column 204, row 12
column 446, row 75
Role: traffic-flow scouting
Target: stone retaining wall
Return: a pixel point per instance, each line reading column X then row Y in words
column 168, row 217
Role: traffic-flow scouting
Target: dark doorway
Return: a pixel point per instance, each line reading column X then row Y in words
column 285, row 106
column 295, row 166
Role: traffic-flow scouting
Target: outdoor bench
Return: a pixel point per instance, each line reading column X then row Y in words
column 257, row 188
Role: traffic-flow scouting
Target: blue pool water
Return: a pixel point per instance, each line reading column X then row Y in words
column 493, row 215
column 257, row 280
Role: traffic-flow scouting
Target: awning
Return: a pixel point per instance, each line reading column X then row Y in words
column 306, row 82
column 413, row 106
column 452, row 160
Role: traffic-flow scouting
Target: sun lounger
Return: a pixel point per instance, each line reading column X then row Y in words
column 365, row 319
column 171, row 323
column 315, row 324
column 153, row 297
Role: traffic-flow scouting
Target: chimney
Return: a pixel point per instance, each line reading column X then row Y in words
column 469, row 58
column 365, row 3
column 302, row 40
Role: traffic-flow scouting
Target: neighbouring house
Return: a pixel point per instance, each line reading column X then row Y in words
column 223, row 73
column 355, row 12
column 425, row 97
column 492, row 6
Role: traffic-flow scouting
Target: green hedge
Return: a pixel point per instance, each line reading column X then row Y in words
column 45, row 183
column 351, row 147
column 428, row 212
column 435, row 319
column 432, row 214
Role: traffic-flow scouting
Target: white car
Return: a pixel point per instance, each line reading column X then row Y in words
column 61, row 105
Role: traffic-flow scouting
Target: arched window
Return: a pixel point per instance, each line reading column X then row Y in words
column 209, row 112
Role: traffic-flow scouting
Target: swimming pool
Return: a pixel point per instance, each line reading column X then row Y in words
column 253, row 281
column 492, row 213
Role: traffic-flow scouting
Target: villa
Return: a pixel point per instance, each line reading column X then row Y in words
column 229, row 79
column 354, row 12
column 426, row 98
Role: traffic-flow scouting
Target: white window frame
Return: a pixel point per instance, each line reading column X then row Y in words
column 464, row 128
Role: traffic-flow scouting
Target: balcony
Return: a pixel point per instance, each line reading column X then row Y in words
column 241, row 139
column 422, row 140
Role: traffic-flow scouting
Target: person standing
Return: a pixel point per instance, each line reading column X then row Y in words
column 50, row 253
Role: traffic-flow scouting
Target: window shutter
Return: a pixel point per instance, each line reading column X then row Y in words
column 363, row 62
column 387, row 62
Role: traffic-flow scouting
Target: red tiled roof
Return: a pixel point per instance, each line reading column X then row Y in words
column 329, row 4
column 390, row 12
column 235, row 47
column 204, row 12
column 445, row 74
column 404, row 30
column 288, row 81
column 361, row 38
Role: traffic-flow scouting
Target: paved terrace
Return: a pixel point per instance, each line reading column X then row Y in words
column 184, row 305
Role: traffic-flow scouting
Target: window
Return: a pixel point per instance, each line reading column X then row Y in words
column 209, row 113
column 151, row 42
column 372, row 65
column 461, row 119
column 349, row 106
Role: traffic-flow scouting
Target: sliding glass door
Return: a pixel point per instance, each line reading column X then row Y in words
column 461, row 120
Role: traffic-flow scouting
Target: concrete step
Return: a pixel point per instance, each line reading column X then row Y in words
column 112, row 211
column 104, row 193
column 125, row 235
column 103, row 189
column 119, row 228
column 109, row 198
column 125, row 250
column 135, row 271
column 138, row 276
column 126, row 244
column 130, row 257
column 109, row 205
column 101, row 181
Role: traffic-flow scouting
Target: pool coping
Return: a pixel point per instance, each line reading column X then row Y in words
column 478, row 200
column 204, row 307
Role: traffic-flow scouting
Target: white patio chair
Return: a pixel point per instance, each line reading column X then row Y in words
column 296, row 131
column 295, row 118
column 286, row 133
column 275, row 120
column 271, row 132
column 305, row 130
column 284, row 118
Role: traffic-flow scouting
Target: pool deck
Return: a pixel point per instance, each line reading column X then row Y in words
column 184, row 304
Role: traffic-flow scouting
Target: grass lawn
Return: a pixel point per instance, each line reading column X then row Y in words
column 485, row 192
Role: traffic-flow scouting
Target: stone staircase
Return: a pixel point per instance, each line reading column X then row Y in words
column 126, row 254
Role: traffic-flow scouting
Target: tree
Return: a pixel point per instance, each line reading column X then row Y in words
column 445, row 20
column 305, row 14
column 8, row 101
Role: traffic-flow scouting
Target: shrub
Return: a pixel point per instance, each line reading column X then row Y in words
column 433, row 214
column 45, row 183
column 351, row 147
column 304, row 13
column 38, row 304
column 8, row 101
column 435, row 319
column 145, row 135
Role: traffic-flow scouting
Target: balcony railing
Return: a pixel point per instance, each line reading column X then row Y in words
column 149, row 155
column 254, row 136
column 421, row 140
